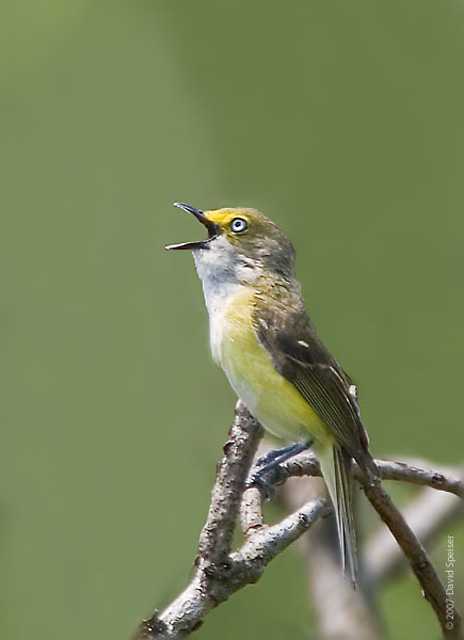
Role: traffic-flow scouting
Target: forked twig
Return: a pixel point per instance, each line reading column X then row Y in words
column 220, row 572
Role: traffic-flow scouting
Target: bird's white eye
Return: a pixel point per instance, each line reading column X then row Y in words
column 238, row 225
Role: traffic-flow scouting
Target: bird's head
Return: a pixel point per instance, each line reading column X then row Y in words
column 239, row 237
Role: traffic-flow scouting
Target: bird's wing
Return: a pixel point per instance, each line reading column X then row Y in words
column 300, row 357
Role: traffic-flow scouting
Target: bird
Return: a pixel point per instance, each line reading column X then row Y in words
column 262, row 337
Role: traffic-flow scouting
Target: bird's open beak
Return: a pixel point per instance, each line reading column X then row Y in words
column 212, row 227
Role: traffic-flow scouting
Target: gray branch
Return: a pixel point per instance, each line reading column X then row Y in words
column 220, row 572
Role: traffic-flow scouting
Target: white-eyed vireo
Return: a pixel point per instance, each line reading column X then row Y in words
column 265, row 342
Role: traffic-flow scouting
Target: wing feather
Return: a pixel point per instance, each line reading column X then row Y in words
column 299, row 355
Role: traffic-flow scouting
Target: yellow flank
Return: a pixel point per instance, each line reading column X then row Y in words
column 272, row 399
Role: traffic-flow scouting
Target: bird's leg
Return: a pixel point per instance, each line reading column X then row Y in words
column 267, row 463
column 272, row 458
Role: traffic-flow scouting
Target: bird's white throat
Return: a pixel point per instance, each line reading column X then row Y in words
column 218, row 267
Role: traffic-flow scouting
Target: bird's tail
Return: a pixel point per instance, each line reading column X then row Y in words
column 335, row 467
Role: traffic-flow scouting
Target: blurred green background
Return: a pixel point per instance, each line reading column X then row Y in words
column 343, row 121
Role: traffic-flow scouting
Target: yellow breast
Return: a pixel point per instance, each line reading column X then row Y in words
column 271, row 398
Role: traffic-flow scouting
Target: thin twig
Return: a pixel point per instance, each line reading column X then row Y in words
column 306, row 464
column 268, row 541
column 433, row 588
column 427, row 514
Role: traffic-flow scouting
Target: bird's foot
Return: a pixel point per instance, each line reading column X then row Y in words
column 266, row 473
